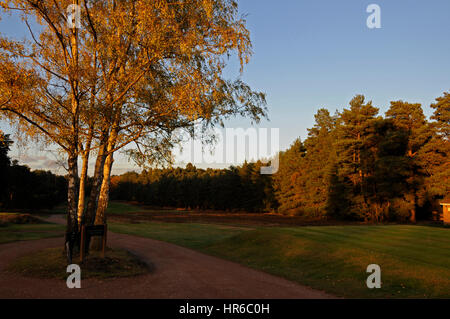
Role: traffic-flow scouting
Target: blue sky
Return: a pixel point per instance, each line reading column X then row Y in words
column 317, row 53
column 312, row 54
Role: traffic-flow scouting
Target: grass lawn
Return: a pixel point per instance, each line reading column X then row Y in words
column 414, row 260
column 114, row 207
column 122, row 208
column 195, row 236
column 14, row 232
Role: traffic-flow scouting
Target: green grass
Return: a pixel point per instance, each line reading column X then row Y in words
column 114, row 207
column 14, row 232
column 414, row 260
column 122, row 208
column 52, row 263
column 195, row 236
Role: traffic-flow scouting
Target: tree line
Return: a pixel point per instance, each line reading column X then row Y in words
column 359, row 165
column 355, row 164
column 235, row 188
column 22, row 188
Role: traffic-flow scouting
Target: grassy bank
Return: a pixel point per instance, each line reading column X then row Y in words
column 414, row 260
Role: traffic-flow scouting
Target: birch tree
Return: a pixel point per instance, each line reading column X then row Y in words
column 133, row 73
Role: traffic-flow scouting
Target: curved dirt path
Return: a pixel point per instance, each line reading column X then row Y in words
column 179, row 273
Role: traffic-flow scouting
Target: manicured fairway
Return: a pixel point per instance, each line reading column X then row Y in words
column 122, row 208
column 195, row 236
column 414, row 260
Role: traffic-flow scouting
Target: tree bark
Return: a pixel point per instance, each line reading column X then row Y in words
column 72, row 216
column 103, row 196
column 412, row 218
column 96, row 185
column 72, row 196
column 100, row 216
column 83, row 177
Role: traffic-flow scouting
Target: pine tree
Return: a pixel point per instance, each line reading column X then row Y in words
column 352, row 134
column 318, row 160
column 436, row 153
column 410, row 117
column 387, row 168
column 287, row 182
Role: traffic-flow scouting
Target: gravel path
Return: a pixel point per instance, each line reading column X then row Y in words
column 179, row 273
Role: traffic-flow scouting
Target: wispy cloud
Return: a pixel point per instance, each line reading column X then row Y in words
column 42, row 162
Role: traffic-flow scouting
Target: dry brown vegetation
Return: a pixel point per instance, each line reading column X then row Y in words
column 147, row 214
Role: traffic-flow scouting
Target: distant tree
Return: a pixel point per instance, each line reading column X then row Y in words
column 22, row 188
column 5, row 143
column 235, row 188
column 5, row 162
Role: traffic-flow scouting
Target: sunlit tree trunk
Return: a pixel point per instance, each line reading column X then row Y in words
column 83, row 177
column 73, row 183
column 104, row 190
column 412, row 217
column 96, row 185
column 100, row 216
column 103, row 196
